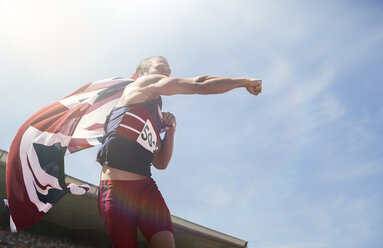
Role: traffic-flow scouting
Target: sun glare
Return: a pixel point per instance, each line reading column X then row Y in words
column 15, row 16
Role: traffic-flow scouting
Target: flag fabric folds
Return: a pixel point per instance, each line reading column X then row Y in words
column 35, row 175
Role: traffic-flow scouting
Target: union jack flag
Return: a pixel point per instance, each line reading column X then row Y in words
column 35, row 175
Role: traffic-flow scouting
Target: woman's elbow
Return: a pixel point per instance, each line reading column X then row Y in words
column 161, row 166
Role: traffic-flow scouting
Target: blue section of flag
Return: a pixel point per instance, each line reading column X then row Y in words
column 50, row 157
column 53, row 195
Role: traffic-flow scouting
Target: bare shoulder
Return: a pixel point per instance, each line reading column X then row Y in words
column 136, row 93
column 149, row 87
column 146, row 80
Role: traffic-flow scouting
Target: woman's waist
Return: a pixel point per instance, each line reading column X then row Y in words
column 110, row 173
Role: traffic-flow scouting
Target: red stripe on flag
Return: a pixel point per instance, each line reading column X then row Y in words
column 24, row 212
column 48, row 115
column 95, row 127
column 34, row 177
column 54, row 121
column 79, row 91
column 78, row 144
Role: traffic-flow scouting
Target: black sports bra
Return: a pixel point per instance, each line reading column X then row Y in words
column 131, row 134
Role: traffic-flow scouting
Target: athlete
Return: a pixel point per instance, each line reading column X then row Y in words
column 128, row 196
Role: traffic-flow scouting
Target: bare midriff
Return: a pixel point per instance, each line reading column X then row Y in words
column 109, row 173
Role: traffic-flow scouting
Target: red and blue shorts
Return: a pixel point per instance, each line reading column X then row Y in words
column 126, row 205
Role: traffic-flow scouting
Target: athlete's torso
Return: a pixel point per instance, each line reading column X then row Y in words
column 131, row 134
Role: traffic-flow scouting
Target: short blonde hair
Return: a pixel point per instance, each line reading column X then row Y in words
column 145, row 64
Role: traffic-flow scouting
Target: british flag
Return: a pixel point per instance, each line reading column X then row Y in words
column 35, row 176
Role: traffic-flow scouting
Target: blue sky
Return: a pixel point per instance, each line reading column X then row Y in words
column 299, row 166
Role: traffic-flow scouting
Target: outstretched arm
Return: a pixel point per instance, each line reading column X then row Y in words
column 151, row 86
column 203, row 85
